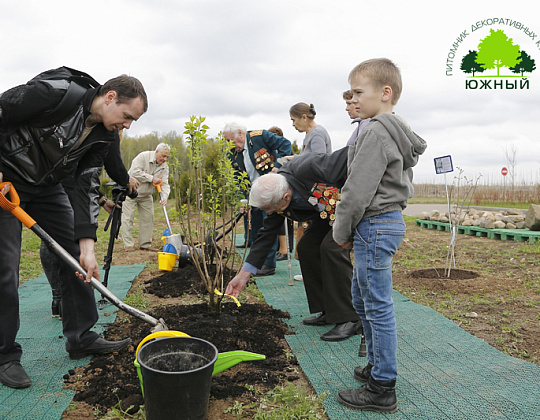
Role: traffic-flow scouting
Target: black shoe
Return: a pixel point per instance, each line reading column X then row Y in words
column 13, row 375
column 243, row 246
column 341, row 331
column 280, row 256
column 56, row 308
column 373, row 396
column 363, row 374
column 265, row 271
column 100, row 346
column 315, row 320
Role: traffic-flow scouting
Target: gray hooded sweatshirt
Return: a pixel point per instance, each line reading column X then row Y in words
column 379, row 178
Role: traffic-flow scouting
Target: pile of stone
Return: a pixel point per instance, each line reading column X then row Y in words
column 504, row 219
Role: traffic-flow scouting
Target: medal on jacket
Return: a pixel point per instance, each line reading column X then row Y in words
column 326, row 199
column 264, row 161
column 235, row 162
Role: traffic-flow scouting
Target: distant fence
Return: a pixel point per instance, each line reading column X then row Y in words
column 484, row 194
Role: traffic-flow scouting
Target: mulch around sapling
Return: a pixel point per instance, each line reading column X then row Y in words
column 441, row 273
column 253, row 327
column 177, row 283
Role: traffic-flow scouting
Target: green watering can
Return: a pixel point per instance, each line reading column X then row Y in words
column 224, row 360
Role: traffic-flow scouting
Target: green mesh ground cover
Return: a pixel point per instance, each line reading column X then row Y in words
column 44, row 356
column 518, row 235
column 444, row 372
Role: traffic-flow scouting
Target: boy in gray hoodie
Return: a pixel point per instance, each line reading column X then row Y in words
column 378, row 185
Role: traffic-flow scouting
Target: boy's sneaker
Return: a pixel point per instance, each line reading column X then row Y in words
column 373, row 396
column 363, row 374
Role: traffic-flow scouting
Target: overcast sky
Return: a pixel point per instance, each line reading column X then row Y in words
column 249, row 61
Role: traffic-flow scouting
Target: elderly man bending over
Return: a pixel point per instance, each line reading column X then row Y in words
column 299, row 191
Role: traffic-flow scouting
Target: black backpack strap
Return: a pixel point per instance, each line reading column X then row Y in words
column 81, row 78
column 73, row 95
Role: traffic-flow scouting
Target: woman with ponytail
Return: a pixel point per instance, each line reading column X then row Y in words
column 317, row 138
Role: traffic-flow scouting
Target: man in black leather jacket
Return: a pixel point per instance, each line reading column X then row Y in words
column 35, row 159
column 49, row 260
column 299, row 188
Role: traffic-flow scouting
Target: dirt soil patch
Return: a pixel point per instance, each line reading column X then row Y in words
column 254, row 327
column 493, row 293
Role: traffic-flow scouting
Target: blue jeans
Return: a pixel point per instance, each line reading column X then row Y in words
column 376, row 240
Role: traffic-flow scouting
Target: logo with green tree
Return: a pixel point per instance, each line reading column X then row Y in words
column 497, row 51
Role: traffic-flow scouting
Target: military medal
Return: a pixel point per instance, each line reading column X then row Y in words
column 264, row 160
column 326, row 198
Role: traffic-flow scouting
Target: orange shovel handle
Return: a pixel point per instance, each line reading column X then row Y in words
column 158, row 185
column 13, row 206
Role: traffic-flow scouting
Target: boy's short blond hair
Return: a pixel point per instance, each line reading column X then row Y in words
column 383, row 72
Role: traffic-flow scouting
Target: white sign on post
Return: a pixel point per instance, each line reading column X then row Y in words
column 443, row 164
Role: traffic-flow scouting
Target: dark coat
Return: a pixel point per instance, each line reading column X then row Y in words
column 259, row 143
column 34, row 156
column 302, row 173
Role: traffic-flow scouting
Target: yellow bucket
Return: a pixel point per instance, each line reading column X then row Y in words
column 166, row 260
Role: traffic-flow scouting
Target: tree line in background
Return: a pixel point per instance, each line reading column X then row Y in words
column 132, row 146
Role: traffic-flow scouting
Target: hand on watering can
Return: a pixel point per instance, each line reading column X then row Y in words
column 236, row 285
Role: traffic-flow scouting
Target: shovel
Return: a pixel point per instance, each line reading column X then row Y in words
column 224, row 361
column 158, row 186
column 22, row 216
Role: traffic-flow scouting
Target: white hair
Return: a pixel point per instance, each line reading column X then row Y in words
column 162, row 147
column 268, row 190
column 235, row 128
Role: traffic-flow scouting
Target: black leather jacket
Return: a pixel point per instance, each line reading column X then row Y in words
column 38, row 156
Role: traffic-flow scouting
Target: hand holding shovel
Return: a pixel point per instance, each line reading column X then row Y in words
column 13, row 206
